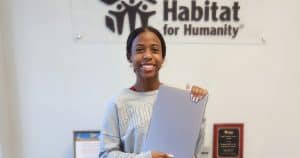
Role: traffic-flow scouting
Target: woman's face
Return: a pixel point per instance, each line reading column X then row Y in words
column 146, row 55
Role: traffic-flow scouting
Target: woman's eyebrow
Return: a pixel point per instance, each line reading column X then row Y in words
column 139, row 45
column 156, row 45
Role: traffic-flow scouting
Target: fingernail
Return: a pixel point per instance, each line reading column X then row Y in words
column 201, row 97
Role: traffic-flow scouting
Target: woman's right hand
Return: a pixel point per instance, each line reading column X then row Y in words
column 157, row 154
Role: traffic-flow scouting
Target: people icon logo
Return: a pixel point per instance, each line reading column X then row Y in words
column 114, row 20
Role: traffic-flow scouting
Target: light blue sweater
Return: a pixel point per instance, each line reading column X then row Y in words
column 125, row 125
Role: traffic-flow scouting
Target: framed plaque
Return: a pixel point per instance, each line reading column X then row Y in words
column 228, row 140
column 86, row 144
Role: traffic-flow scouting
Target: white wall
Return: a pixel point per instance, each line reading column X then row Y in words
column 60, row 85
column 4, row 101
column 2, row 91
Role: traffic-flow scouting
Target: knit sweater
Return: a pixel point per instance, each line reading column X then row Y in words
column 125, row 125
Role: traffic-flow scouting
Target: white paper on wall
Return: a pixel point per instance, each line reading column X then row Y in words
column 87, row 149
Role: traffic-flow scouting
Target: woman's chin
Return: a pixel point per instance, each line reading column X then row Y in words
column 148, row 75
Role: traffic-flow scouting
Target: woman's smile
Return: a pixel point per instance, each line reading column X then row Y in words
column 148, row 67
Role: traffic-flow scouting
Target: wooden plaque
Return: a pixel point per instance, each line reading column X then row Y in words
column 228, row 140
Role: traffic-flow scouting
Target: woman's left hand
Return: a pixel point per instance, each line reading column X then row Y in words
column 197, row 93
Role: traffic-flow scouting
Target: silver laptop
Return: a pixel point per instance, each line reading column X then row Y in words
column 175, row 124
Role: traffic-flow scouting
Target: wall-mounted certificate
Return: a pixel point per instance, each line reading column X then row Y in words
column 86, row 144
column 228, row 140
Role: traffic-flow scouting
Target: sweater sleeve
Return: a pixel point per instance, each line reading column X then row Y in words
column 200, row 140
column 110, row 139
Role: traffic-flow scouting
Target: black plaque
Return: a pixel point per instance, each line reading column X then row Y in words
column 228, row 141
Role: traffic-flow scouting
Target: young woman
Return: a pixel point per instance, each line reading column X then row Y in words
column 127, row 116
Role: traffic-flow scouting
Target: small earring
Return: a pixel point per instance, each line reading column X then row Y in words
column 131, row 65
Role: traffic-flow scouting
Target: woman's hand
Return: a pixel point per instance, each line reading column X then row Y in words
column 157, row 154
column 197, row 93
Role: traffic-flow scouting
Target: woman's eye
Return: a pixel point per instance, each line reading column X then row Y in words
column 155, row 50
column 139, row 50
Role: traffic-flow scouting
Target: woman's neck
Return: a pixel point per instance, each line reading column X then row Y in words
column 146, row 85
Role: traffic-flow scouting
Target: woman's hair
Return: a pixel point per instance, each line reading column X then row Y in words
column 139, row 30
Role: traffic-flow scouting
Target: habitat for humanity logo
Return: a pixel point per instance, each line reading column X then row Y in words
column 130, row 9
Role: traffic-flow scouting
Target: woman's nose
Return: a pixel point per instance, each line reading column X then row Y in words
column 147, row 54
